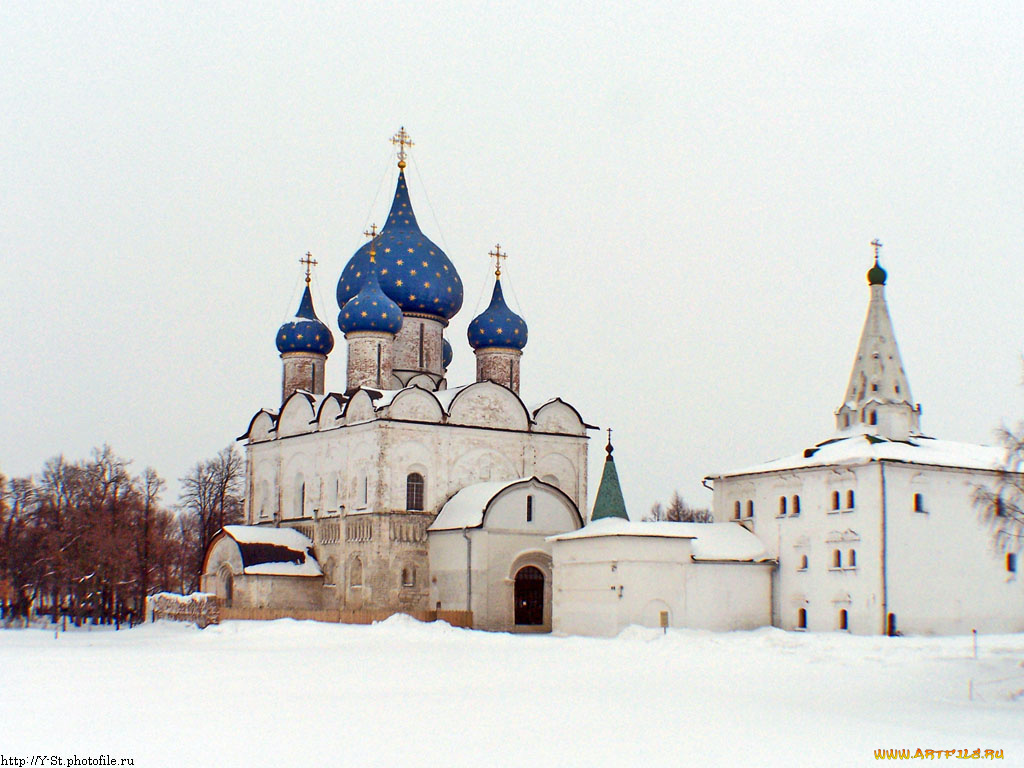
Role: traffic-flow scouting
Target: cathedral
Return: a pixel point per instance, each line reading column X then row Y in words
column 403, row 493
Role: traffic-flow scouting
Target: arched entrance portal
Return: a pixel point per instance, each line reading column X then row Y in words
column 529, row 597
column 228, row 586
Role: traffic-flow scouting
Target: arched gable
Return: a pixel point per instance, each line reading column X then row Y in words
column 297, row 417
column 331, row 409
column 422, row 381
column 262, row 427
column 359, row 408
column 415, row 404
column 223, row 550
column 559, row 417
column 548, row 509
column 486, row 404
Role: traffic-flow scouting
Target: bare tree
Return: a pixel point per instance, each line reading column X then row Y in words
column 212, row 497
column 1002, row 505
column 678, row 511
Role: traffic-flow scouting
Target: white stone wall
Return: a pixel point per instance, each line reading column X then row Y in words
column 347, row 474
column 939, row 573
column 604, row 584
column 506, row 543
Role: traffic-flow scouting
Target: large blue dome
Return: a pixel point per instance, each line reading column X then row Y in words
column 412, row 270
column 305, row 332
column 370, row 309
column 497, row 326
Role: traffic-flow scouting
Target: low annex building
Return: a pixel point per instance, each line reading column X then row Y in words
column 615, row 572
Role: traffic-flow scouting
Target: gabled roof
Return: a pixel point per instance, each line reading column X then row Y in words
column 852, row 448
column 273, row 551
column 468, row 507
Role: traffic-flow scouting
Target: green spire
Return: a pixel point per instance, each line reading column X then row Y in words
column 609, row 502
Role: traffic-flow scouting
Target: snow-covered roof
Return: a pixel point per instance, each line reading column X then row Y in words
column 466, row 508
column 856, row 448
column 711, row 541
column 274, row 551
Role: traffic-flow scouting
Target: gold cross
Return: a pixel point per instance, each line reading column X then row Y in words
column 309, row 261
column 402, row 140
column 876, row 245
column 372, row 234
column 498, row 256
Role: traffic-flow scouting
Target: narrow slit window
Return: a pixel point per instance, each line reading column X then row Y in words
column 843, row 619
column 529, row 509
column 801, row 619
column 835, row 499
column 851, row 558
column 849, row 499
column 918, row 503
column 837, row 558
column 796, row 505
column 1011, row 562
column 736, row 510
column 803, row 563
column 750, row 508
column 782, row 505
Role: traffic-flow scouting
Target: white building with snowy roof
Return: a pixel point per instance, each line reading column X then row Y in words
column 373, row 476
column 876, row 529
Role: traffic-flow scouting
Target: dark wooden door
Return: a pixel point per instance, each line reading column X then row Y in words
column 529, row 596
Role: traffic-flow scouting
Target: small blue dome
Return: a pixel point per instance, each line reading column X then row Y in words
column 412, row 270
column 305, row 332
column 446, row 353
column 370, row 309
column 497, row 326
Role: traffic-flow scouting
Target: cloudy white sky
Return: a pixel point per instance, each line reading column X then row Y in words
column 687, row 191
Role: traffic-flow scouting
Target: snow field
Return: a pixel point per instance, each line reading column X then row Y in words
column 289, row 693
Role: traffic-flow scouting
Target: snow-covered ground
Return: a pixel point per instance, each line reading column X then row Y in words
column 289, row 693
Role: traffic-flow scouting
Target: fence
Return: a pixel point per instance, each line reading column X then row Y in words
column 199, row 608
column 455, row 618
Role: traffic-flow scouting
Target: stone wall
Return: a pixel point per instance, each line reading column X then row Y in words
column 499, row 365
column 407, row 345
column 363, row 349
column 302, row 370
column 199, row 608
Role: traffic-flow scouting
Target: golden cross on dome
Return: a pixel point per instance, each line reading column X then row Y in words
column 497, row 255
column 372, row 234
column 876, row 244
column 309, row 261
column 402, row 140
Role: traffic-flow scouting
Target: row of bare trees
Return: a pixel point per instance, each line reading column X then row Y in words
column 88, row 540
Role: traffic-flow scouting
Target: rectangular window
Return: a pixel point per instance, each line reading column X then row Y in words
column 782, row 506
column 1011, row 562
column 849, row 499
column 529, row 509
column 796, row 506
column 918, row 503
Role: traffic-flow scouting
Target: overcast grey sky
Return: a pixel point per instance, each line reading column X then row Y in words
column 687, row 191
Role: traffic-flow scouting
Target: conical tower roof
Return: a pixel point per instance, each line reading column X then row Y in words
column 878, row 382
column 609, row 502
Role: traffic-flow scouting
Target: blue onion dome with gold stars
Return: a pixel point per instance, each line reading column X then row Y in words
column 446, row 353
column 370, row 309
column 305, row 332
column 497, row 326
column 412, row 270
